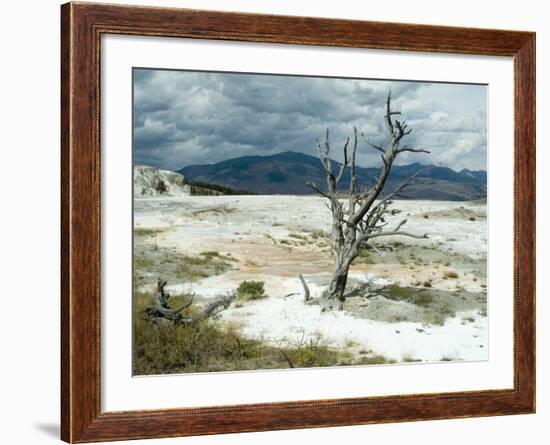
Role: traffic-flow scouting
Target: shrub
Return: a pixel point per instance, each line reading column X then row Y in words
column 251, row 290
column 316, row 234
column 396, row 292
column 365, row 256
column 376, row 359
column 451, row 274
column 311, row 355
column 296, row 236
column 423, row 299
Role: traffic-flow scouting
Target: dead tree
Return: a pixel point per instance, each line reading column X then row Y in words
column 161, row 312
column 363, row 218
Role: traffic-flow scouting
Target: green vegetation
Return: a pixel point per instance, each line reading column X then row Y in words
column 450, row 274
column 142, row 231
column 207, row 345
column 317, row 237
column 153, row 262
column 402, row 260
column 207, row 188
column 142, row 263
column 458, row 213
column 420, row 297
column 423, row 299
column 310, row 354
column 375, row 360
column 270, row 237
column 251, row 290
column 191, row 268
column 439, row 314
column 214, row 254
column 215, row 210
column 365, row 256
column 318, row 234
column 428, row 305
column 296, row 235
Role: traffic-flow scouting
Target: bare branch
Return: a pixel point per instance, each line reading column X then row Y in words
column 317, row 189
column 215, row 307
column 371, row 247
column 398, row 190
column 161, row 296
column 389, row 114
column 412, row 150
column 353, row 180
column 402, row 129
column 387, row 158
column 327, row 154
column 287, row 358
column 401, row 224
column 412, row 235
column 324, row 157
column 345, row 164
column 187, row 304
column 373, row 145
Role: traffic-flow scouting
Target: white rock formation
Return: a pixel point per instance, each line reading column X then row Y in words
column 152, row 181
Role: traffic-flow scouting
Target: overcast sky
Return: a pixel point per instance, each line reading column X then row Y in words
column 183, row 118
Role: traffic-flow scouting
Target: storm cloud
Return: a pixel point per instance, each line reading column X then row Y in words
column 183, row 117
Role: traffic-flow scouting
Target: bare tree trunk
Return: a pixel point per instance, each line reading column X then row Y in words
column 336, row 289
column 335, row 294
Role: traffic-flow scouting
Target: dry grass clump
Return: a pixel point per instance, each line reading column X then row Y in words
column 450, row 274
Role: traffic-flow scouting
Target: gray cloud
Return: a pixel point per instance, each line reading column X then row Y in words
column 183, row 118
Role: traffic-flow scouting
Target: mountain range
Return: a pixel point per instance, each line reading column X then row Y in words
column 288, row 173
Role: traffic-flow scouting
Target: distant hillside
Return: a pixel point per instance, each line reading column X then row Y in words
column 288, row 173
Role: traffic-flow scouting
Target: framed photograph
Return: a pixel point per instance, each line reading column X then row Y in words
column 274, row 222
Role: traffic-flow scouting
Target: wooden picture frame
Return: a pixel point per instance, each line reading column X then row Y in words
column 82, row 25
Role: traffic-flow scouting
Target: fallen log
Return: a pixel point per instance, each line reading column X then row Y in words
column 161, row 312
